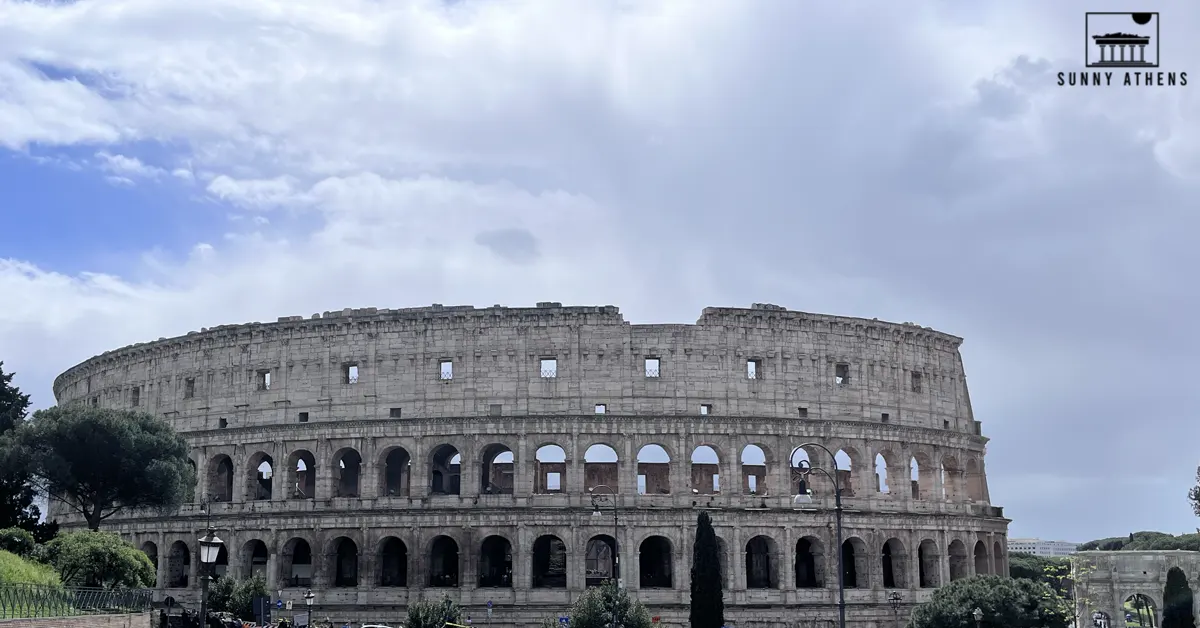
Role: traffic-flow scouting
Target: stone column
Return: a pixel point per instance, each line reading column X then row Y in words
column 272, row 570
column 368, row 480
column 164, row 557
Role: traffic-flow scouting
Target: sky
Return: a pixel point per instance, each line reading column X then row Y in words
column 169, row 166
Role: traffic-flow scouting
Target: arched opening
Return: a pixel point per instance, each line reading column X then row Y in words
column 959, row 566
column 345, row 563
column 221, row 566
column 599, row 559
column 914, row 477
column 1140, row 611
column 754, row 470
column 762, row 568
column 653, row 470
column 302, row 475
column 397, row 473
column 297, row 563
column 895, row 562
column 982, row 567
column 260, row 485
column 393, row 563
column 881, row 474
column 999, row 563
column 549, row 563
column 443, row 562
column 854, row 564
column 495, row 562
column 951, row 479
column 1178, row 599
column 254, row 559
column 810, row 564
column 151, row 552
column 845, row 472
column 551, row 469
column 706, row 471
column 802, row 481
column 928, row 565
column 179, row 563
column 600, row 468
column 347, row 472
column 496, row 470
column 445, row 466
column 654, row 558
column 220, row 479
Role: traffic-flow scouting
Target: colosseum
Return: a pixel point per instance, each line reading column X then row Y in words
column 504, row 456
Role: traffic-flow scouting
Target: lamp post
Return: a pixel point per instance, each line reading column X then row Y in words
column 801, row 472
column 978, row 615
column 601, row 495
column 210, row 547
column 895, row 600
column 308, row 600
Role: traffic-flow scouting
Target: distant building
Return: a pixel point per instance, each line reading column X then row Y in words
column 1038, row 547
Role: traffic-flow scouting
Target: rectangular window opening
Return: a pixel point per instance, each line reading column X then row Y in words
column 841, row 374
column 394, row 413
column 884, row 417
column 223, row 423
column 601, row 408
column 495, row 409
column 549, row 367
column 754, row 369
column 303, row 417
column 95, row 402
column 803, row 412
column 189, row 388
column 946, row 425
column 916, row 382
column 653, row 367
column 641, row 484
column 705, row 408
column 553, row 482
column 350, row 374
column 135, row 396
column 447, row 369
column 264, row 380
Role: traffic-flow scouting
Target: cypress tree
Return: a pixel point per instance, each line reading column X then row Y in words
column 17, row 509
column 1177, row 601
column 708, row 609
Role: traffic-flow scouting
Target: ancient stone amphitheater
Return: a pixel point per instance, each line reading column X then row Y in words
column 378, row 457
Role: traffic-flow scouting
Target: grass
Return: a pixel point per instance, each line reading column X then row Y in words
column 17, row 570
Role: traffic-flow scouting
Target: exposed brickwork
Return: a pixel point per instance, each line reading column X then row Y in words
column 140, row 620
column 381, row 490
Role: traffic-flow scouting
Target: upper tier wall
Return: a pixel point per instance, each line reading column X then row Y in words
column 912, row 374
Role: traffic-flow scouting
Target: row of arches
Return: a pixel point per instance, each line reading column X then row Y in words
column 392, row 473
column 441, row 563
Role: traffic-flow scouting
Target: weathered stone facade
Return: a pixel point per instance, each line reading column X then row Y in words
column 1105, row 580
column 448, row 451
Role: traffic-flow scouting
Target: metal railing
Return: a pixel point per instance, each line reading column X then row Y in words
column 27, row 601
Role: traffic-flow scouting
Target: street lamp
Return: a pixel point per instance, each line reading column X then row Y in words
column 210, row 547
column 308, row 600
column 895, row 600
column 609, row 496
column 801, row 472
column 978, row 615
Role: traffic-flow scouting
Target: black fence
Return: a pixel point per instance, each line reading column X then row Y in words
column 21, row 601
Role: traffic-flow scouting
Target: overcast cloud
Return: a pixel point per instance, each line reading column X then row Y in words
column 909, row 161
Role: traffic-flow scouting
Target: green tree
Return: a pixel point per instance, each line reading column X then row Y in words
column 1005, row 602
column 236, row 597
column 708, row 607
column 17, row 492
column 594, row 609
column 100, row 559
column 1177, row 601
column 18, row 541
column 100, row 461
column 433, row 613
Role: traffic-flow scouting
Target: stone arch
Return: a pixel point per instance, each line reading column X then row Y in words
column 179, row 563
column 958, row 560
column 1144, row 610
column 653, row 470
column 951, row 474
column 894, row 562
column 762, row 563
column 444, row 562
column 754, row 470
column 706, row 470
column 496, row 464
column 982, row 565
column 551, row 469
column 393, row 561
column 296, row 563
column 723, row 561
column 889, row 476
column 848, row 462
column 810, row 563
column 220, row 478
column 150, row 549
column 655, row 563
column 856, row 566
column 445, row 471
column 254, row 557
column 495, row 562
column 221, row 566
column 974, row 480
column 929, row 571
column 999, row 560
column 798, row 462
column 395, row 472
column 347, row 473
column 921, row 475
column 343, row 568
column 302, row 474
column 600, row 467
column 260, row 477
column 599, row 558
column 549, row 562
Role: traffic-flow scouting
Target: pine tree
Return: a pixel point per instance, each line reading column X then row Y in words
column 1177, row 601
column 16, row 493
column 708, row 609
